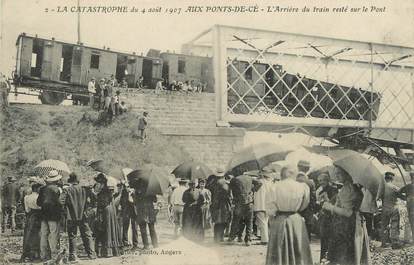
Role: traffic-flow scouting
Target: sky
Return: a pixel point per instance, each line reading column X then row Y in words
column 139, row 32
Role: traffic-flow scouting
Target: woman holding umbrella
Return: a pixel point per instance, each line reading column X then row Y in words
column 108, row 232
column 349, row 240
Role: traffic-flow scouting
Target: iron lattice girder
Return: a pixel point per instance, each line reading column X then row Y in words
column 366, row 107
column 204, row 49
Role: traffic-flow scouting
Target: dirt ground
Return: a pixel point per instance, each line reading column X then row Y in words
column 235, row 253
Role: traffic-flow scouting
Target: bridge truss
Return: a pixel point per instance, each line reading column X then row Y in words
column 284, row 81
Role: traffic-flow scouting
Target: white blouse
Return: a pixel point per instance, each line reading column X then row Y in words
column 287, row 195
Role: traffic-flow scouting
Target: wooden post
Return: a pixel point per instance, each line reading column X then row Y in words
column 220, row 72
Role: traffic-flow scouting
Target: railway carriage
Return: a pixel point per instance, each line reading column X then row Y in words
column 57, row 68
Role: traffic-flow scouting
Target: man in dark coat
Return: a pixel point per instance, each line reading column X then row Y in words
column 325, row 193
column 10, row 196
column 220, row 205
column 129, row 216
column 242, row 188
column 51, row 211
column 76, row 197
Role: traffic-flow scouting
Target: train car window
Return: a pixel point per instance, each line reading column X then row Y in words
column 181, row 66
column 34, row 60
column 204, row 69
column 249, row 73
column 94, row 61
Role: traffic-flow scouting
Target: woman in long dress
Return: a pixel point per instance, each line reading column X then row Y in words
column 349, row 243
column 108, row 232
column 192, row 214
column 31, row 237
column 288, row 241
column 205, row 208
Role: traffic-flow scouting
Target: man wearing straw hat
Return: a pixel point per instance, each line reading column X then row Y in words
column 51, row 211
column 176, row 200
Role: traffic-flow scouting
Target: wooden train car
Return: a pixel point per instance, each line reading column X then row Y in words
column 54, row 67
column 291, row 97
column 182, row 68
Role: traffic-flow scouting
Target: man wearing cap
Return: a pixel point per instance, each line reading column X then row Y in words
column 142, row 126
column 10, row 196
column 91, row 91
column 176, row 201
column 51, row 211
column 390, row 214
column 76, row 197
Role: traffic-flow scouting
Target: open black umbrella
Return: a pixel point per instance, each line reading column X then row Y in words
column 255, row 157
column 150, row 179
column 192, row 170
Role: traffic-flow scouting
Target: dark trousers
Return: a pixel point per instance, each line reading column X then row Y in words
column 128, row 218
column 369, row 222
column 390, row 217
column 242, row 213
column 325, row 233
column 219, row 232
column 86, row 235
column 410, row 210
column 9, row 213
column 144, row 235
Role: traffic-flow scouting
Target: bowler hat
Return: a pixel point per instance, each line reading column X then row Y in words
column 73, row 178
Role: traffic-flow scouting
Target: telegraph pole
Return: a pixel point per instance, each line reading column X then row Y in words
column 79, row 28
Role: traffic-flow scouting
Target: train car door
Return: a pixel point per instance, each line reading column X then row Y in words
column 131, row 70
column 121, row 67
column 76, row 70
column 36, row 60
column 66, row 63
column 26, row 49
column 147, row 72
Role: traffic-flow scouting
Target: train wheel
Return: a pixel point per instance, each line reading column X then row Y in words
column 51, row 98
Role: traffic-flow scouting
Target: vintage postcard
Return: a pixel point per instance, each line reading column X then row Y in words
column 207, row 132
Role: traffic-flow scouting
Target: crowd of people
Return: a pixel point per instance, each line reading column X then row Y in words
column 102, row 96
column 274, row 207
